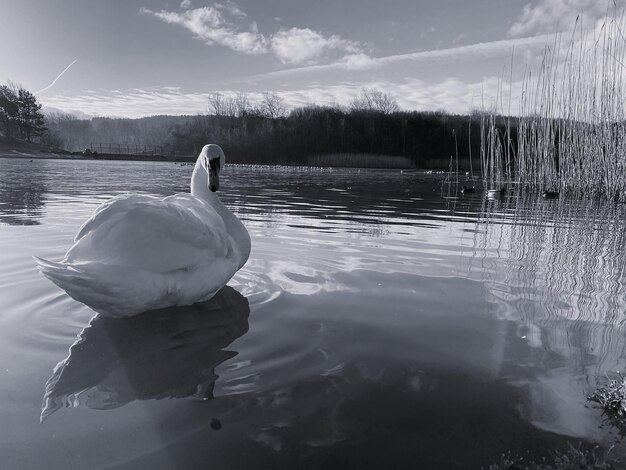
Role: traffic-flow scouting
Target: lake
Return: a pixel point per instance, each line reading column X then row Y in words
column 382, row 321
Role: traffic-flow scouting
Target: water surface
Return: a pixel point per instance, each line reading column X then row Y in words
column 382, row 321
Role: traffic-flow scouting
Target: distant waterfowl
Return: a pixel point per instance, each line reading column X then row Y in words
column 495, row 193
column 550, row 194
column 466, row 190
column 139, row 253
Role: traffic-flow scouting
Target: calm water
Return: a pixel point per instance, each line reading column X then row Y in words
column 381, row 322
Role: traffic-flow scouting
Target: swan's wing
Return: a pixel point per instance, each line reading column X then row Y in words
column 158, row 235
column 115, row 207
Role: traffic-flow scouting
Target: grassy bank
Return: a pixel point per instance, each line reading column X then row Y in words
column 20, row 148
column 573, row 458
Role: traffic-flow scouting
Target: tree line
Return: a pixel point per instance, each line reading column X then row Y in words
column 267, row 132
column 20, row 113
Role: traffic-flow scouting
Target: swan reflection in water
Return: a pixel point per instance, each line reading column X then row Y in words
column 167, row 353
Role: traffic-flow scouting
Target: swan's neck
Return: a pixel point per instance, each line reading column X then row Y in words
column 200, row 184
column 200, row 189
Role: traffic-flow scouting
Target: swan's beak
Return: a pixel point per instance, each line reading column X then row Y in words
column 214, row 172
column 214, row 180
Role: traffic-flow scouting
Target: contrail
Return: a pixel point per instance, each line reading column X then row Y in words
column 59, row 76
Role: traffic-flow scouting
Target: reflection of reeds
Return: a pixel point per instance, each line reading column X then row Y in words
column 571, row 132
column 564, row 273
column 360, row 160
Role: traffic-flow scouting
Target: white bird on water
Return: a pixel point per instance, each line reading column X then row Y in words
column 139, row 253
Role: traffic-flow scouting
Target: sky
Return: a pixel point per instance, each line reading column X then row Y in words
column 135, row 58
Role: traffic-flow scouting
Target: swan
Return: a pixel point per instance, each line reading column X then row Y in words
column 139, row 253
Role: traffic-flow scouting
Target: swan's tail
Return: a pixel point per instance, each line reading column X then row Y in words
column 68, row 276
column 106, row 289
column 58, row 273
column 79, row 283
column 61, row 274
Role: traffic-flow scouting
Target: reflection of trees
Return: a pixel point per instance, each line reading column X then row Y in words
column 22, row 194
column 168, row 353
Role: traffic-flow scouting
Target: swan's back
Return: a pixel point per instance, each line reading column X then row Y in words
column 156, row 235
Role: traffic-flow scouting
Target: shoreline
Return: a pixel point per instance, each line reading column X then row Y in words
column 322, row 161
column 79, row 156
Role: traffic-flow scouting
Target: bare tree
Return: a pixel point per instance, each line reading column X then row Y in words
column 242, row 104
column 232, row 106
column 371, row 99
column 217, row 103
column 273, row 106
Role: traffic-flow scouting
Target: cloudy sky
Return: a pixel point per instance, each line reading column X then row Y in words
column 142, row 57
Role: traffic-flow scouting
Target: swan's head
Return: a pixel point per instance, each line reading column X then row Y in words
column 213, row 159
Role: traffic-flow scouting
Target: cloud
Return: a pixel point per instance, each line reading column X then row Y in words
column 358, row 61
column 185, row 4
column 467, row 53
column 221, row 24
column 303, row 45
column 551, row 15
column 210, row 25
column 452, row 94
column 231, row 8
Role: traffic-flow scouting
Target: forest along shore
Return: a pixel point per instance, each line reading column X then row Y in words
column 15, row 148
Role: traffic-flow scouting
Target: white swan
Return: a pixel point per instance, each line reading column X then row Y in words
column 139, row 253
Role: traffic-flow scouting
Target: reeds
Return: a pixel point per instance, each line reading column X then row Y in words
column 573, row 458
column 570, row 134
column 611, row 396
